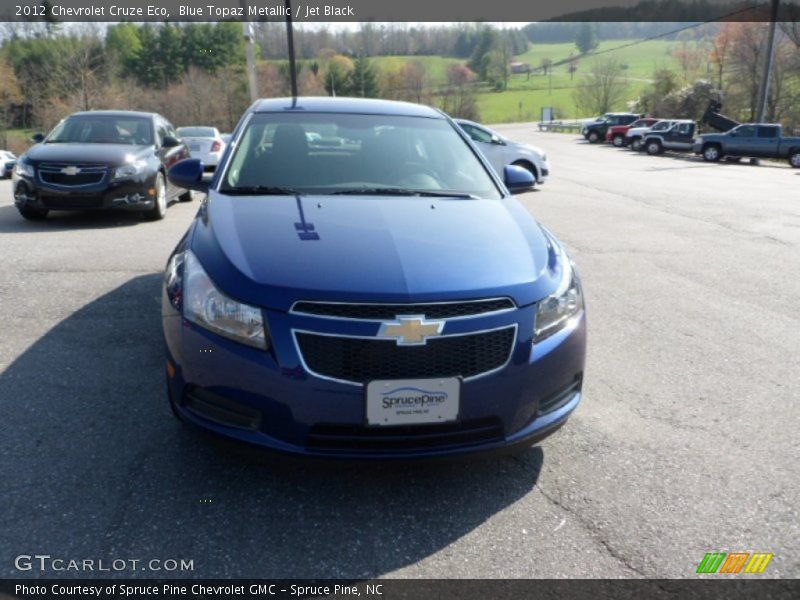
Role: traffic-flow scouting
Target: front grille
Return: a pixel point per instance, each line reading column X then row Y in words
column 380, row 312
column 360, row 360
column 72, row 202
column 53, row 173
column 408, row 438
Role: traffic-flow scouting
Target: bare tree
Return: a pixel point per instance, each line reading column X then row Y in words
column 601, row 90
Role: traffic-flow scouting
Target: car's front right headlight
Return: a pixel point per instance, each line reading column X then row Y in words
column 557, row 311
column 206, row 306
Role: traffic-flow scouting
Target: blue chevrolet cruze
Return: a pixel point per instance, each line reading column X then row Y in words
column 359, row 282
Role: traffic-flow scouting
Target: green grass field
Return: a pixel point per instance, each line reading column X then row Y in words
column 526, row 96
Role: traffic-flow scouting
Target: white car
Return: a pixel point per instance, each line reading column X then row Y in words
column 205, row 143
column 636, row 135
column 7, row 162
column 501, row 151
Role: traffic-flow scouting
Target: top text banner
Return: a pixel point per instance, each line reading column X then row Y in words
column 314, row 11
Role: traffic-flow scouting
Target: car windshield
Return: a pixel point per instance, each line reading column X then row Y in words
column 333, row 153
column 103, row 129
column 201, row 132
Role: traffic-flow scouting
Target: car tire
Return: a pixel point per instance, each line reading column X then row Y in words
column 618, row 141
column 186, row 196
column 528, row 167
column 32, row 214
column 654, row 147
column 712, row 153
column 159, row 210
column 794, row 159
column 593, row 137
column 636, row 144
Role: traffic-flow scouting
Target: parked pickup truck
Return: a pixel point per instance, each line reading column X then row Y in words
column 595, row 131
column 753, row 140
column 616, row 134
column 678, row 138
column 635, row 135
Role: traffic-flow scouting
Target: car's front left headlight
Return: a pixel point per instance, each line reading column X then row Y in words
column 557, row 311
column 206, row 306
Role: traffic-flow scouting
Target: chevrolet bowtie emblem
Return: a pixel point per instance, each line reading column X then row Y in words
column 411, row 330
column 70, row 170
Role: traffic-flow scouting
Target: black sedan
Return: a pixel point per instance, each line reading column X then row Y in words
column 101, row 160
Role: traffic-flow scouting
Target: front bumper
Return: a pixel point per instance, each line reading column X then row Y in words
column 130, row 194
column 271, row 400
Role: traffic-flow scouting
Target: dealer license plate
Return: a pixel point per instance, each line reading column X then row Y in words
column 413, row 401
column 194, row 147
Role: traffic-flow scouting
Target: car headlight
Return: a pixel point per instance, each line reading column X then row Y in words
column 206, row 306
column 557, row 310
column 130, row 171
column 23, row 169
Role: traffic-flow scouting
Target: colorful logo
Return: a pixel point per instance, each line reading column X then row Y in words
column 734, row 562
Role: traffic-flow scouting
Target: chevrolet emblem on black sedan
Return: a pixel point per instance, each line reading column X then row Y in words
column 411, row 330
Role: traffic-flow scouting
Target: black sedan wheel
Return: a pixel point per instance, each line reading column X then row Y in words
column 159, row 211
column 593, row 137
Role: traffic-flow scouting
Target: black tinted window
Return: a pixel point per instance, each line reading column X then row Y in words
column 767, row 132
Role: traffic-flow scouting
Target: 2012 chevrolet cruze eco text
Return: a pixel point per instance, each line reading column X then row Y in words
column 360, row 283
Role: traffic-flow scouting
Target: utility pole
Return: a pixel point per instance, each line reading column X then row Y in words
column 249, row 35
column 290, row 43
column 763, row 94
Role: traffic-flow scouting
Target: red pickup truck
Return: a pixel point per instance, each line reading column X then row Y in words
column 616, row 134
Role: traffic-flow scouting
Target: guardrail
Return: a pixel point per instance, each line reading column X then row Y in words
column 559, row 126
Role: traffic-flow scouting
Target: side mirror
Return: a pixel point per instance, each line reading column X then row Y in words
column 188, row 174
column 170, row 142
column 733, row 134
column 518, row 180
column 37, row 138
column 496, row 140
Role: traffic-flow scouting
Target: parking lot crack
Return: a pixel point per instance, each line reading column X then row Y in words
column 594, row 532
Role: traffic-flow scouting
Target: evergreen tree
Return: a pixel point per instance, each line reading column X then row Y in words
column 362, row 81
column 586, row 39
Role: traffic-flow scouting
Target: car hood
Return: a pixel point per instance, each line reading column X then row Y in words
column 274, row 250
column 113, row 154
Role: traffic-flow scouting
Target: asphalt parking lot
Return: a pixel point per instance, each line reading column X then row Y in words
column 686, row 442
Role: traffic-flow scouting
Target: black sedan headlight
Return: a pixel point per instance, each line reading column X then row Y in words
column 190, row 289
column 559, row 309
column 23, row 168
column 131, row 170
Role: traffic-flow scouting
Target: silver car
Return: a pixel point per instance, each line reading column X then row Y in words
column 7, row 162
column 205, row 143
column 501, row 152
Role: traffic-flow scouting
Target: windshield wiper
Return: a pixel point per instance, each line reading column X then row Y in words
column 389, row 191
column 261, row 190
